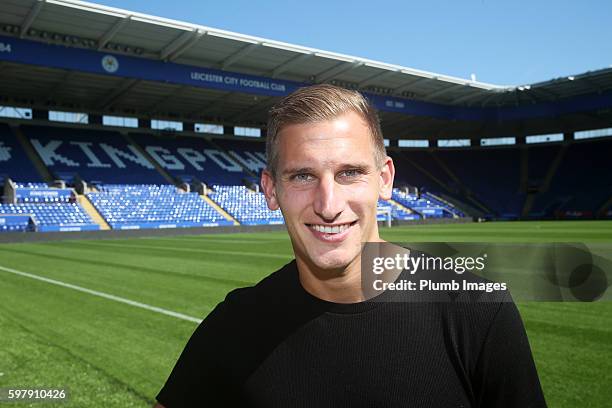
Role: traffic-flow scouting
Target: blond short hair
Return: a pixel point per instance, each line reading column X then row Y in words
column 318, row 103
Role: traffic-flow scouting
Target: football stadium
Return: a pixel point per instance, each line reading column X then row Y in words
column 131, row 148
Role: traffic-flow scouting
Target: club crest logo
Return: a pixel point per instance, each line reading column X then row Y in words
column 110, row 64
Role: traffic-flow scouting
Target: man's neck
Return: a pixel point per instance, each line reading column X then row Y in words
column 333, row 285
column 345, row 285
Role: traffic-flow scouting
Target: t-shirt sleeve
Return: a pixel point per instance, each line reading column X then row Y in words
column 506, row 375
column 198, row 378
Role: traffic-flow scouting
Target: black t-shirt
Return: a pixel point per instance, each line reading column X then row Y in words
column 276, row 345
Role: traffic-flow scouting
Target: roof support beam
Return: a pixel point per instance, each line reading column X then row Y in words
column 409, row 84
column 288, row 64
column 29, row 19
column 108, row 36
column 261, row 105
column 212, row 103
column 175, row 44
column 474, row 92
column 235, row 57
column 400, row 128
column 154, row 107
column 589, row 83
column 387, row 123
column 193, row 40
column 112, row 97
column 376, row 77
column 337, row 70
column 442, row 91
column 486, row 100
column 549, row 94
column 528, row 95
column 50, row 94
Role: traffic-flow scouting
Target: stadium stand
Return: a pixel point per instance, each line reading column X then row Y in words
column 546, row 181
column 251, row 155
column 192, row 158
column 246, row 206
column 425, row 205
column 581, row 185
column 490, row 174
column 34, row 206
column 14, row 162
column 181, row 87
column 91, row 155
column 398, row 212
column 48, row 217
column 153, row 206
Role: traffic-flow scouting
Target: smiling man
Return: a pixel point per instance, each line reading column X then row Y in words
column 307, row 336
column 327, row 169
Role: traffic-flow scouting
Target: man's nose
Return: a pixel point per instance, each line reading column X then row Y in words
column 328, row 201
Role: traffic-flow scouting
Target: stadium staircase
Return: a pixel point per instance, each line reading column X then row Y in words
column 93, row 213
column 553, row 168
column 245, row 169
column 541, row 192
column 244, row 205
column 474, row 206
column 467, row 192
column 425, row 172
column 601, row 212
column 529, row 200
column 158, row 167
column 219, row 209
column 402, row 207
column 524, row 168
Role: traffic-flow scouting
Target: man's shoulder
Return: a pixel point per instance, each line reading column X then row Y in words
column 271, row 291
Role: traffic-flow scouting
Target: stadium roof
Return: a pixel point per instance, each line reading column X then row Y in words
column 91, row 26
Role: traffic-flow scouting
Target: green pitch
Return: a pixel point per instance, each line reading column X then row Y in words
column 111, row 354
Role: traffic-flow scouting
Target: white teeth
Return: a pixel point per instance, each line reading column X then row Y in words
column 327, row 229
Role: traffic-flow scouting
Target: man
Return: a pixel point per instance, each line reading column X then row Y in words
column 305, row 336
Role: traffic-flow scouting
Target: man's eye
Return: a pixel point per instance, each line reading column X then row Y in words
column 350, row 173
column 302, row 177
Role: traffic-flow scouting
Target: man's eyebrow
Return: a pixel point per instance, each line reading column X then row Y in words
column 359, row 166
column 345, row 166
column 297, row 170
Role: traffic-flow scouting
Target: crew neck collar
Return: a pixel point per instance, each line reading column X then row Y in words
column 311, row 300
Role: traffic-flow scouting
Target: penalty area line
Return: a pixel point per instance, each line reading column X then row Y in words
column 103, row 295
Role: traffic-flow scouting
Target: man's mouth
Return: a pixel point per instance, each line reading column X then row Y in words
column 331, row 229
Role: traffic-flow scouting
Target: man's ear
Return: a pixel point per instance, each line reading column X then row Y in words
column 387, row 174
column 269, row 189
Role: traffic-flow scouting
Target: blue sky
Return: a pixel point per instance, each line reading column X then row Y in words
column 505, row 42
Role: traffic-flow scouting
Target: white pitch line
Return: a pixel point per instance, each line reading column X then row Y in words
column 103, row 295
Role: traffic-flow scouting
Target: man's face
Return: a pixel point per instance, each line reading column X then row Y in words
column 327, row 186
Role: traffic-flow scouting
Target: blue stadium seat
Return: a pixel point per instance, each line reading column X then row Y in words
column 246, row 206
column 424, row 205
column 153, row 206
column 53, row 217
column 397, row 213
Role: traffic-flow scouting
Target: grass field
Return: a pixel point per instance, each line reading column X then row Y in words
column 113, row 354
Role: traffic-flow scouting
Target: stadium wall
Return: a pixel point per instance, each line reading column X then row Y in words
column 149, row 233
